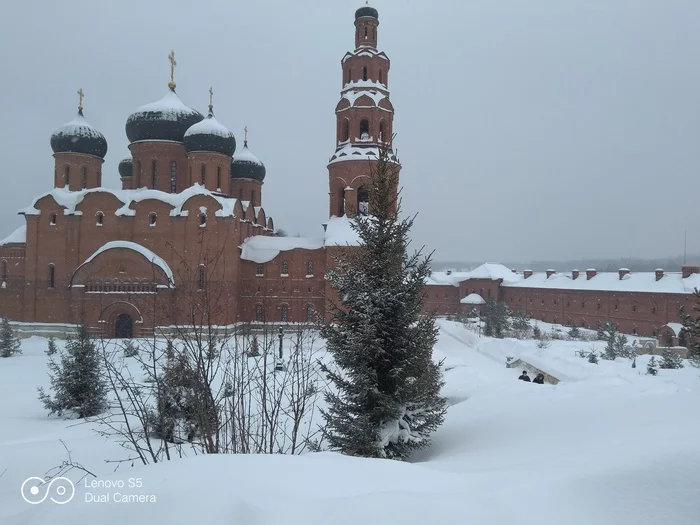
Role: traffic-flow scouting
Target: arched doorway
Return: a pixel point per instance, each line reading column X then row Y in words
column 124, row 327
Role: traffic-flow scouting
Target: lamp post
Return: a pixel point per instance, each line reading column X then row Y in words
column 279, row 366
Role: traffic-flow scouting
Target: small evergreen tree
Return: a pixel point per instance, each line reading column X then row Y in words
column 536, row 332
column 386, row 401
column 76, row 381
column 574, row 333
column 52, row 349
column 652, row 366
column 691, row 325
column 634, row 363
column 9, row 342
column 130, row 349
column 495, row 315
column 520, row 320
column 593, row 357
column 670, row 359
column 605, row 329
column 609, row 334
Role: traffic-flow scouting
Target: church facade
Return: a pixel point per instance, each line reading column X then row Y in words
column 186, row 239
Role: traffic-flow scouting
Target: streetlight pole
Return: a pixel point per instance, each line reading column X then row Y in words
column 279, row 366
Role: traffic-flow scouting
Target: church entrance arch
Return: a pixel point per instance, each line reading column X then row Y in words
column 124, row 327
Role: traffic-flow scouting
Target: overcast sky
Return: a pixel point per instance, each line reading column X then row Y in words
column 526, row 129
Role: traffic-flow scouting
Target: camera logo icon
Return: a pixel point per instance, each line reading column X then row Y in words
column 59, row 490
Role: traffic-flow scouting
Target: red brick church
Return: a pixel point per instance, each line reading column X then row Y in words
column 186, row 239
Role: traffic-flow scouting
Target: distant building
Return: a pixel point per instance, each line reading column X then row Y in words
column 186, row 239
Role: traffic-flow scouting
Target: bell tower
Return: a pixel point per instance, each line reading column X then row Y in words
column 364, row 118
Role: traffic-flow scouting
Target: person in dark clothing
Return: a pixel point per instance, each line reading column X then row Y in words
column 524, row 376
column 539, row 379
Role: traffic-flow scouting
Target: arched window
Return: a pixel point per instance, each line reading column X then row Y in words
column 653, row 309
column 364, row 129
column 310, row 268
column 67, row 175
column 381, row 77
column 309, row 313
column 259, row 270
column 381, row 131
column 364, row 70
column 284, row 311
column 252, row 197
column 83, row 177
column 100, row 218
column 52, row 219
column 259, row 313
column 154, row 174
column 218, row 178
column 346, row 130
column 285, row 268
column 362, row 201
column 365, row 33
column 52, row 276
column 203, row 175
column 3, row 272
column 122, row 268
column 202, row 277
column 202, row 220
column 152, row 219
column 173, row 177
column 341, row 202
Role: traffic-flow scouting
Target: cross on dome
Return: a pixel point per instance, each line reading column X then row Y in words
column 211, row 99
column 80, row 100
column 171, row 57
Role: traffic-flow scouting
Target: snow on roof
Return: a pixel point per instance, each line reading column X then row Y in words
column 363, row 84
column 170, row 106
column 71, row 199
column 492, row 271
column 364, row 52
column 208, row 126
column 356, row 152
column 352, row 96
column 261, row 249
column 78, row 127
column 245, row 155
column 17, row 236
column 676, row 327
column 671, row 282
column 148, row 254
column 339, row 232
column 473, row 298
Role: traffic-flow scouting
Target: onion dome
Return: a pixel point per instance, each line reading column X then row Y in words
column 77, row 136
column 166, row 119
column 210, row 135
column 245, row 165
column 366, row 11
column 125, row 167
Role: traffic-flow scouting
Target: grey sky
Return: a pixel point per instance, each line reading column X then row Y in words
column 527, row 129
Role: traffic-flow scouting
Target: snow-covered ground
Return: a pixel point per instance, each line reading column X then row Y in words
column 607, row 445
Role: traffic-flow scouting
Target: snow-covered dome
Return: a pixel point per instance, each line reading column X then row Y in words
column 166, row 119
column 210, row 135
column 77, row 136
column 245, row 165
column 125, row 167
column 473, row 298
column 366, row 11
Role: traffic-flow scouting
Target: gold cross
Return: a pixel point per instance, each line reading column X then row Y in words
column 171, row 57
column 211, row 98
column 80, row 99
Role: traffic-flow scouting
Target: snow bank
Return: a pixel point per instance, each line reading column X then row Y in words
column 261, row 249
column 17, row 236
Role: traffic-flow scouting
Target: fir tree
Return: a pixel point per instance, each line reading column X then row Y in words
column 9, row 342
column 593, row 357
column 691, row 325
column 130, row 349
column 387, row 399
column 495, row 315
column 670, row 359
column 536, row 332
column 605, row 329
column 52, row 349
column 76, row 380
column 609, row 334
column 574, row 333
column 520, row 320
column 652, row 366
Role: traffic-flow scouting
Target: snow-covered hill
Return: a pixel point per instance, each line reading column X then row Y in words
column 607, row 445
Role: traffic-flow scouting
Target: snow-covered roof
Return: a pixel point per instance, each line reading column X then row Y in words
column 170, row 106
column 671, row 282
column 676, row 327
column 492, row 271
column 473, row 298
column 339, row 232
column 261, row 249
column 148, row 254
column 354, row 84
column 245, row 155
column 357, row 152
column 78, row 127
column 208, row 126
column 71, row 199
column 17, row 236
column 352, row 96
column 364, row 52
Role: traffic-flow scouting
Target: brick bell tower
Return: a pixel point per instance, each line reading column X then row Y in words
column 364, row 115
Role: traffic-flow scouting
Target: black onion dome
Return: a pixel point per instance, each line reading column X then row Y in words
column 77, row 136
column 166, row 119
column 210, row 135
column 366, row 11
column 125, row 167
column 245, row 165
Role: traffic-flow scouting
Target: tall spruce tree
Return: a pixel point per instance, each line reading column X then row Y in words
column 76, row 380
column 386, row 400
column 495, row 315
column 691, row 325
column 9, row 342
